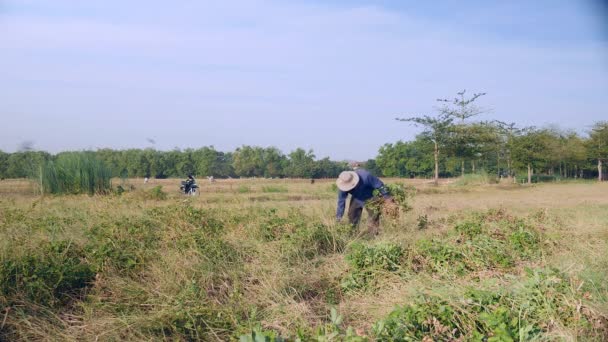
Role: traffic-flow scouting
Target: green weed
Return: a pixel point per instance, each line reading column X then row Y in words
column 271, row 189
column 49, row 275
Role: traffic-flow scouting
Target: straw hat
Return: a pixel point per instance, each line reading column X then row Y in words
column 347, row 180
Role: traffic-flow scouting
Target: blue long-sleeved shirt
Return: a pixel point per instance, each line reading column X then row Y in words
column 362, row 192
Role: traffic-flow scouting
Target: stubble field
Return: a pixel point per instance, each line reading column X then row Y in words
column 262, row 259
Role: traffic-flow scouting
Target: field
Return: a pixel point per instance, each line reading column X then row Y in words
column 261, row 260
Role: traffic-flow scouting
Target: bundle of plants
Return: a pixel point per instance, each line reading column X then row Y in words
column 401, row 196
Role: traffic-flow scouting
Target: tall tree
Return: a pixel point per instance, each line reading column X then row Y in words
column 530, row 150
column 462, row 108
column 301, row 163
column 436, row 130
column 598, row 145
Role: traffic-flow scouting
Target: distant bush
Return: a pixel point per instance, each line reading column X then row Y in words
column 274, row 189
column 480, row 178
column 242, row 189
column 538, row 178
column 75, row 173
column 157, row 193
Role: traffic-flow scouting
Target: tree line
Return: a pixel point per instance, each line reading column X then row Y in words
column 246, row 161
column 452, row 144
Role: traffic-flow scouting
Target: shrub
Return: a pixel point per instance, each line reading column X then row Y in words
column 310, row 241
column 75, row 173
column 485, row 241
column 480, row 178
column 157, row 193
column 439, row 256
column 274, row 189
column 543, row 301
column 242, row 189
column 124, row 244
column 191, row 315
column 50, row 275
column 367, row 261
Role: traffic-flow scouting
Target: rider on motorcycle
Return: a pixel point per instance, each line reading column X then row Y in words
column 188, row 183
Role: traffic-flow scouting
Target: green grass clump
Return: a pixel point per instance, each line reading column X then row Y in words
column 75, row 173
column 368, row 262
column 271, row 189
column 242, row 189
column 484, row 241
column 535, row 308
column 473, row 179
column 157, row 193
column 124, row 244
column 309, row 242
column 48, row 275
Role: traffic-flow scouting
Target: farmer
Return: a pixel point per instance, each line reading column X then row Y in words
column 360, row 184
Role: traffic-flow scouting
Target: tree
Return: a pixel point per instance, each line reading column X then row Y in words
column 406, row 159
column 507, row 133
column 437, row 130
column 301, row 163
column 3, row 164
column 464, row 135
column 248, row 161
column 530, row 150
column 598, row 145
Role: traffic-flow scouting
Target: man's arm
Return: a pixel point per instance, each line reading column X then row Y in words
column 376, row 183
column 341, row 204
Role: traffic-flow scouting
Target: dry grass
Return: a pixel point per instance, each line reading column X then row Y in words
column 267, row 288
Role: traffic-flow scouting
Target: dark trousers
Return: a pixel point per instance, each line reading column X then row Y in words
column 355, row 209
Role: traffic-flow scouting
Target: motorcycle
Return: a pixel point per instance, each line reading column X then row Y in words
column 189, row 188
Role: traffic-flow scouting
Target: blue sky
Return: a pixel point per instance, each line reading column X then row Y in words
column 327, row 75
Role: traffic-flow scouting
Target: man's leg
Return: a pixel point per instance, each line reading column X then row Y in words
column 354, row 212
column 373, row 221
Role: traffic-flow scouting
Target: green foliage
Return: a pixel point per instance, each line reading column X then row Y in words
column 119, row 190
column 402, row 195
column 260, row 335
column 309, row 242
column 428, row 317
column 157, row 193
column 367, row 262
column 242, row 189
column 406, row 159
column 124, row 244
column 271, row 189
column 49, row 275
column 483, row 241
column 332, row 331
column 75, row 173
column 423, row 222
column 517, row 314
column 475, row 179
column 300, row 239
column 192, row 315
